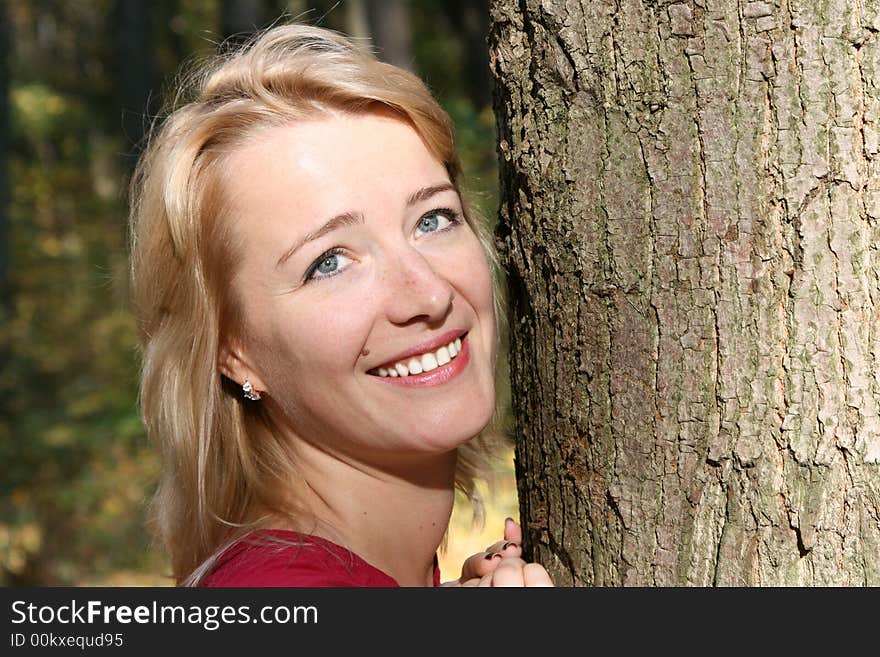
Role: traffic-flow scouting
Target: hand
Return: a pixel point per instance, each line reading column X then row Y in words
column 500, row 564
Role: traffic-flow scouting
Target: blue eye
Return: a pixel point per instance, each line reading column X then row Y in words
column 437, row 220
column 328, row 264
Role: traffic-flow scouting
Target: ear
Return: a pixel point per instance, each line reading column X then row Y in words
column 233, row 363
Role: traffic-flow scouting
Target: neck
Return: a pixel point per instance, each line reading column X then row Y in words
column 393, row 517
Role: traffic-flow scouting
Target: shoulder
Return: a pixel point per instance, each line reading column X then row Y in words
column 273, row 558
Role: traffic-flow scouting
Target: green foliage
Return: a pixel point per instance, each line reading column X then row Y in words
column 76, row 468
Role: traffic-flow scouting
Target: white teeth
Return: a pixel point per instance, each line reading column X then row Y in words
column 425, row 362
column 429, row 362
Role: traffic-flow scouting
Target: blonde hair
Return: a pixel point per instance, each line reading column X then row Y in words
column 223, row 459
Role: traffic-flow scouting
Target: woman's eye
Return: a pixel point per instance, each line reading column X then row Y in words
column 328, row 264
column 437, row 220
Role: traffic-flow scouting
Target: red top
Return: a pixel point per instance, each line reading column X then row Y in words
column 278, row 557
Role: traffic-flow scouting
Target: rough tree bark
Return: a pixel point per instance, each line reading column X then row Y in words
column 689, row 218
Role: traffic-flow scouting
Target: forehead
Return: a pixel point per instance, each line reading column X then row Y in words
column 289, row 180
column 332, row 156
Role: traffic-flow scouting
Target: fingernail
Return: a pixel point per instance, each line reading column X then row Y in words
column 489, row 557
column 508, row 544
column 508, row 519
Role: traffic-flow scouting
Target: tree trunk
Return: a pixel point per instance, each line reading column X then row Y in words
column 689, row 214
column 135, row 73
column 239, row 19
column 391, row 31
column 357, row 26
column 471, row 20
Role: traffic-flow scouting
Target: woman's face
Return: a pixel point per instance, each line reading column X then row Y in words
column 358, row 270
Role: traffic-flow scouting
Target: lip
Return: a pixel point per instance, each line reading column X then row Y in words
column 436, row 376
column 423, row 347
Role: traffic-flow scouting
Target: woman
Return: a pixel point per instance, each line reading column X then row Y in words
column 318, row 324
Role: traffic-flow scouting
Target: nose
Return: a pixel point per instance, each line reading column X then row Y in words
column 416, row 290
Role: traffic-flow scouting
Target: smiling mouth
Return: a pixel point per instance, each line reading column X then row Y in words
column 421, row 363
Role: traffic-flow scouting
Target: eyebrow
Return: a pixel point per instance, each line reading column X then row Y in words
column 339, row 221
column 427, row 192
column 353, row 218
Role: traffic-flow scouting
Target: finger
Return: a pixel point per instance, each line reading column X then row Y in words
column 509, row 573
column 534, row 574
column 511, row 544
column 511, row 549
column 485, row 581
column 480, row 564
column 512, row 531
column 504, row 548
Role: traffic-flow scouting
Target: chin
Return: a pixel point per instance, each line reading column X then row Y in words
column 443, row 436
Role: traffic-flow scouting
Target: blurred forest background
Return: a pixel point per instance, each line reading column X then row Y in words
column 80, row 82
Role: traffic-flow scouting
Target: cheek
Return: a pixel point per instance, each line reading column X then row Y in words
column 319, row 339
column 476, row 284
column 472, row 280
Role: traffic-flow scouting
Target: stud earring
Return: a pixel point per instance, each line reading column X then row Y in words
column 248, row 391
